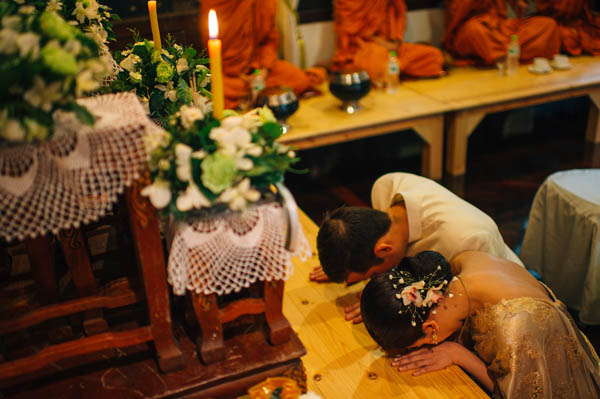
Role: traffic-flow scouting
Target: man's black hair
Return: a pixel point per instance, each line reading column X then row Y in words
column 347, row 239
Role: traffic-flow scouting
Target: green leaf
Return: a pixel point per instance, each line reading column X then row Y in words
column 82, row 113
column 184, row 93
column 271, row 131
column 157, row 101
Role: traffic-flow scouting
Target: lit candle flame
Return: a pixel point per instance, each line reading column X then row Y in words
column 213, row 24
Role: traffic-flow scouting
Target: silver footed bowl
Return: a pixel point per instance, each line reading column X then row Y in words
column 350, row 87
column 281, row 101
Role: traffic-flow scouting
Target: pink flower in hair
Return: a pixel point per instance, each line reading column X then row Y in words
column 434, row 294
column 411, row 294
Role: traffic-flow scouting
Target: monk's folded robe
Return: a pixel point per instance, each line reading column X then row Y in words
column 579, row 27
column 250, row 40
column 481, row 30
column 361, row 25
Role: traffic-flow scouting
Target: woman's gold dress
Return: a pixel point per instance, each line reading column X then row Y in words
column 534, row 349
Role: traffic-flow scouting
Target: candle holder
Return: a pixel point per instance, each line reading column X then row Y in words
column 350, row 87
column 281, row 101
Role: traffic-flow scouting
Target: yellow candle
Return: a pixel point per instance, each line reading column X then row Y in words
column 216, row 69
column 154, row 24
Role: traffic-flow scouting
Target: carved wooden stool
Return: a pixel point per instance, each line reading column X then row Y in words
column 211, row 318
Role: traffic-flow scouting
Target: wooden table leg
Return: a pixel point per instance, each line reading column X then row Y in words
column 210, row 342
column 41, row 259
column 279, row 327
column 461, row 125
column 592, row 133
column 432, row 133
column 143, row 221
column 78, row 260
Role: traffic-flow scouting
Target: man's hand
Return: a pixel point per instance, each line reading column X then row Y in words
column 353, row 311
column 318, row 275
column 428, row 359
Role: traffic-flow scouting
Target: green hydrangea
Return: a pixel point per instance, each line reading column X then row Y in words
column 266, row 115
column 218, row 172
column 59, row 60
column 164, row 72
column 56, row 27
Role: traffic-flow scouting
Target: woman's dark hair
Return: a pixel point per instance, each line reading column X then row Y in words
column 386, row 318
column 347, row 238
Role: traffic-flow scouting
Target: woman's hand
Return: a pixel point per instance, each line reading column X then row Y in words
column 429, row 359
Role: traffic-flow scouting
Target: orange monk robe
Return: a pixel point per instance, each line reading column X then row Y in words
column 480, row 29
column 250, row 41
column 579, row 27
column 358, row 25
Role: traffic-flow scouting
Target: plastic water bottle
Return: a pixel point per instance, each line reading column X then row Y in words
column 257, row 84
column 513, row 55
column 393, row 72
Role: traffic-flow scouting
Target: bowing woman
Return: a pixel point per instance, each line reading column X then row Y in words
column 525, row 343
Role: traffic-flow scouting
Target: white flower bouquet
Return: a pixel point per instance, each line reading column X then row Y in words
column 200, row 162
column 160, row 77
column 45, row 64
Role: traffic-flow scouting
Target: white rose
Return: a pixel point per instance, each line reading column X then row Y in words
column 129, row 63
column 192, row 198
column 184, row 168
column 13, row 131
column 29, row 45
column 54, row 5
column 11, row 22
column 85, row 82
column 159, row 193
column 73, row 46
column 27, row 10
column 237, row 197
column 189, row 115
column 244, row 163
column 8, row 41
column 182, row 65
column 43, row 96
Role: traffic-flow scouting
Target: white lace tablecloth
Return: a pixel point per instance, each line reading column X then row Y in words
column 75, row 177
column 227, row 252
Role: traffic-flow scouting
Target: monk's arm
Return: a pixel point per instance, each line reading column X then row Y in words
column 266, row 52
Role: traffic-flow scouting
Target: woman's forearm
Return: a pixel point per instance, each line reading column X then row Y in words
column 473, row 365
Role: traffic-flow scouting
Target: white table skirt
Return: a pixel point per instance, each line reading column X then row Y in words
column 562, row 241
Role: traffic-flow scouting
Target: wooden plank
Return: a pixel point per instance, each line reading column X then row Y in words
column 73, row 348
column 343, row 354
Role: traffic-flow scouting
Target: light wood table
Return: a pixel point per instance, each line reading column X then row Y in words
column 472, row 93
column 319, row 121
column 342, row 360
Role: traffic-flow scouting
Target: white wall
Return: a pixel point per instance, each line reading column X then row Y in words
column 319, row 37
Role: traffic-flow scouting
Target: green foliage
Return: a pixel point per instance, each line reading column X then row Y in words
column 167, row 74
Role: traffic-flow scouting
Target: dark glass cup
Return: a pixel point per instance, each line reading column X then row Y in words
column 281, row 101
column 350, row 87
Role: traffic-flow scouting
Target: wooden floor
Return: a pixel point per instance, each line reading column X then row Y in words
column 342, row 360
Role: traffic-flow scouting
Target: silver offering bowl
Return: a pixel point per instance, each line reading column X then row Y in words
column 282, row 101
column 350, row 87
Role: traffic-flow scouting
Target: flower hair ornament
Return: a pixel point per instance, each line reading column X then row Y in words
column 417, row 296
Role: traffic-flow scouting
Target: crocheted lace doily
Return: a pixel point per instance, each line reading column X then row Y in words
column 74, row 177
column 224, row 253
